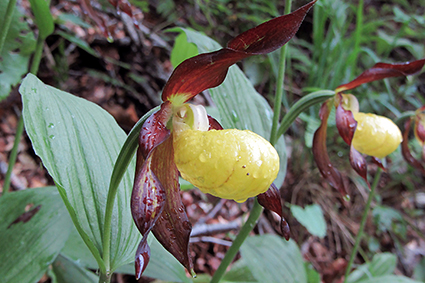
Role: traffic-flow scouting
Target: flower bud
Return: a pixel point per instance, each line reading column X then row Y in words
column 230, row 164
column 375, row 135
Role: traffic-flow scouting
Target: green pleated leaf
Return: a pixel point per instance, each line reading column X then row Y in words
column 78, row 143
column 43, row 18
column 239, row 104
column 34, row 226
column 271, row 259
column 17, row 49
column 162, row 264
column 68, row 271
column 389, row 279
column 311, row 217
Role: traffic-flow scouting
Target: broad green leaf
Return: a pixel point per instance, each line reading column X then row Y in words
column 78, row 143
column 239, row 272
column 389, row 279
column 182, row 50
column 43, row 17
column 312, row 275
column 162, row 264
column 271, row 259
column 419, row 271
column 16, row 52
column 68, row 271
column 239, row 104
column 381, row 264
column 311, row 217
column 29, row 246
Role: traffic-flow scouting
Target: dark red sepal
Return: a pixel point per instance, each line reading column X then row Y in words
column 270, row 35
column 214, row 124
column 172, row 229
column 147, row 203
column 209, row 70
column 143, row 254
column 345, row 122
column 271, row 200
column 320, row 153
column 406, row 151
column 148, row 197
column 358, row 163
column 199, row 73
column 154, row 130
column 383, row 70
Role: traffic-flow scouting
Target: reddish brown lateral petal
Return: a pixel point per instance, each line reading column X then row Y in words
column 154, row 130
column 358, row 163
column 148, row 197
column 26, row 216
column 345, row 123
column 214, row 124
column 383, row 70
column 199, row 73
column 270, row 35
column 172, row 229
column 143, row 254
column 378, row 162
column 406, row 151
column 321, row 156
column 271, row 201
column 100, row 22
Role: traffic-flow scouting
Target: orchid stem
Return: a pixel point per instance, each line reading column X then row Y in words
column 279, row 85
column 363, row 222
column 250, row 223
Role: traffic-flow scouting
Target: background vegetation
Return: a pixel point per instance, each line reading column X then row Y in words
column 337, row 41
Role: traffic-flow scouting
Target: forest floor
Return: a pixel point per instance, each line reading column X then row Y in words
column 126, row 78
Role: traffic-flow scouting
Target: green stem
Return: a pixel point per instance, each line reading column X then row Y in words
column 37, row 56
column 255, row 213
column 6, row 23
column 363, row 222
column 13, row 155
column 20, row 128
column 104, row 278
column 279, row 85
column 301, row 105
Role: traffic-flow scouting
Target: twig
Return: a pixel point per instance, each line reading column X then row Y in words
column 211, row 229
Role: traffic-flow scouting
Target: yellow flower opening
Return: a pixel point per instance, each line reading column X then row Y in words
column 375, row 135
column 230, row 164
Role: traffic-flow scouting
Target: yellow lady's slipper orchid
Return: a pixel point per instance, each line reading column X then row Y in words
column 375, row 135
column 230, row 164
column 182, row 139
